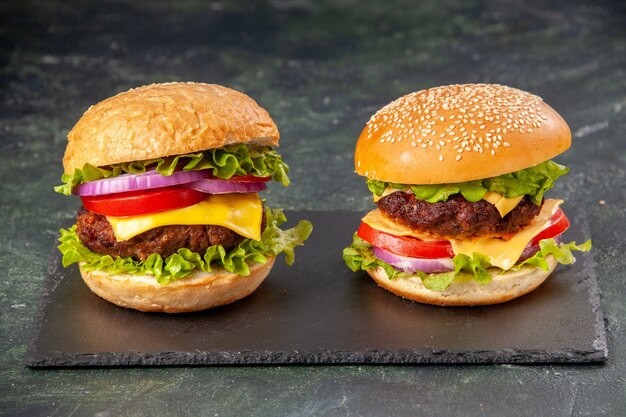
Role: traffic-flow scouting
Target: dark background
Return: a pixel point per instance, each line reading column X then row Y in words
column 321, row 69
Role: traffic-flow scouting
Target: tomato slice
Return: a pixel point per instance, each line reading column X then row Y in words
column 558, row 224
column 404, row 245
column 249, row 178
column 416, row 248
column 135, row 203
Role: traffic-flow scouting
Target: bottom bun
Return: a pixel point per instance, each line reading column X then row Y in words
column 466, row 291
column 198, row 291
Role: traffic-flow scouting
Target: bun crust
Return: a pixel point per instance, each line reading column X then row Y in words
column 459, row 133
column 198, row 291
column 468, row 292
column 166, row 119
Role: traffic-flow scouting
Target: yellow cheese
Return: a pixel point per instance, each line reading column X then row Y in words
column 502, row 253
column 503, row 205
column 376, row 220
column 505, row 253
column 385, row 193
column 241, row 213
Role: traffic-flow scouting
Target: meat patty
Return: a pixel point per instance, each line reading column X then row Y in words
column 96, row 233
column 457, row 217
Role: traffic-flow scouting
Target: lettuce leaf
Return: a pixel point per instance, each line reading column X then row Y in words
column 360, row 256
column 533, row 181
column 223, row 163
column 561, row 252
column 182, row 263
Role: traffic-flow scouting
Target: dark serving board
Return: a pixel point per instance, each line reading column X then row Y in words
column 319, row 312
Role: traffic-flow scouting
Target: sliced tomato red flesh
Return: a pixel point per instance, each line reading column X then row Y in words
column 404, row 245
column 249, row 178
column 135, row 203
column 558, row 224
column 416, row 248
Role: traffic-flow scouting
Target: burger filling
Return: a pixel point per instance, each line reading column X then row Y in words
column 438, row 231
column 96, row 233
column 457, row 217
column 169, row 217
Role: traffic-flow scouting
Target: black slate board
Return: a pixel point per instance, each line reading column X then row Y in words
column 319, row 312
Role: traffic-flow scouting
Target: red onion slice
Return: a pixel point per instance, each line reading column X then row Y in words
column 410, row 265
column 132, row 182
column 212, row 186
column 530, row 251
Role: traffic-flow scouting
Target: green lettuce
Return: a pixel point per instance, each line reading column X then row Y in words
column 223, row 163
column 360, row 256
column 533, row 181
column 182, row 263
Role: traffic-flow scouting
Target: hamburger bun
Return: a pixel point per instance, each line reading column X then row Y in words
column 459, row 133
column 160, row 120
column 157, row 121
column 467, row 292
column 456, row 134
column 198, row 291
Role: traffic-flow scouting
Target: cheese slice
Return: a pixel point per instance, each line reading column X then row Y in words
column 502, row 253
column 376, row 220
column 241, row 213
column 505, row 253
column 503, row 205
column 388, row 190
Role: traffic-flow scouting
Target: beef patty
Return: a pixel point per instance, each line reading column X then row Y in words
column 96, row 233
column 457, row 217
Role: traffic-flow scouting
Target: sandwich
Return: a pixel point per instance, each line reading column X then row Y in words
column 171, row 220
column 459, row 175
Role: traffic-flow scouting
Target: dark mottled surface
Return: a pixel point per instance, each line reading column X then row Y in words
column 320, row 68
column 318, row 312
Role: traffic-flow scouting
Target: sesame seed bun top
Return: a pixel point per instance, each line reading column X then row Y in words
column 160, row 120
column 459, row 133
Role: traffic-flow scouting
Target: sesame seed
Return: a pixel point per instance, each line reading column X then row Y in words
column 458, row 157
column 440, row 157
column 469, row 108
